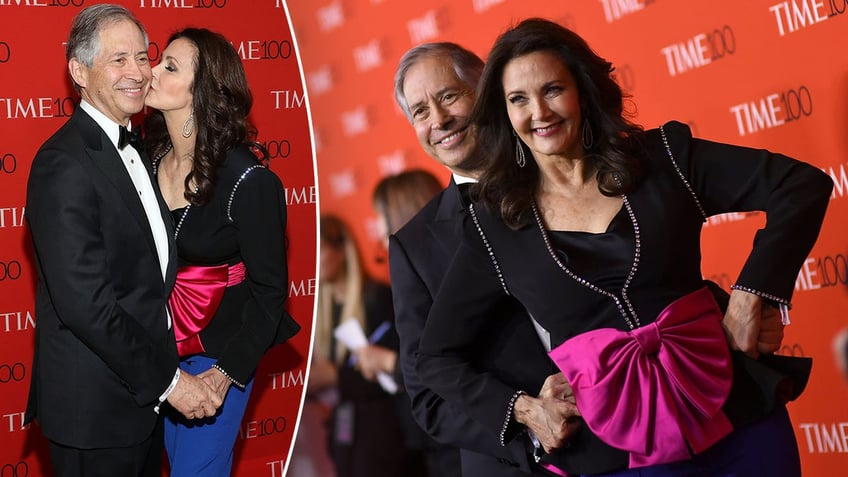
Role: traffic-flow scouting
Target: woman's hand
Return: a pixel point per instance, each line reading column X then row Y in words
column 322, row 374
column 216, row 380
column 552, row 416
column 770, row 338
column 752, row 326
column 371, row 359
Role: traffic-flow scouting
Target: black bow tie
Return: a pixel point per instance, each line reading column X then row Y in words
column 133, row 138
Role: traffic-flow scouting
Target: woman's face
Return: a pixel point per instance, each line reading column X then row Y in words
column 173, row 77
column 543, row 104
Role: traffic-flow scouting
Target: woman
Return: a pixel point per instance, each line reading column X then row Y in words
column 397, row 199
column 228, row 303
column 594, row 225
column 366, row 430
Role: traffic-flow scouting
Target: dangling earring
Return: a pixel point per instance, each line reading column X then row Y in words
column 520, row 159
column 588, row 137
column 188, row 125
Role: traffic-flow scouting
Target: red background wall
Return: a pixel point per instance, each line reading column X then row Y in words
column 36, row 98
column 761, row 73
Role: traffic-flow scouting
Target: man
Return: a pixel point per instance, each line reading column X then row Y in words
column 434, row 85
column 105, row 355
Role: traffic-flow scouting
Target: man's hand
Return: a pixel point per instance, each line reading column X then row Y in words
column 193, row 398
column 216, row 380
column 552, row 416
column 556, row 387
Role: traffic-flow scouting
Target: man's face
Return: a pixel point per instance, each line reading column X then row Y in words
column 440, row 104
column 117, row 81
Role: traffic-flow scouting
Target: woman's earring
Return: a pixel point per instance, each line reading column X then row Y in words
column 188, row 125
column 588, row 137
column 520, row 159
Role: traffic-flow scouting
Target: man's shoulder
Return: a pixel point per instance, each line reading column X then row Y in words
column 73, row 134
column 69, row 132
column 419, row 223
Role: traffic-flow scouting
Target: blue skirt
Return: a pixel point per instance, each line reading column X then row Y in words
column 204, row 447
column 766, row 448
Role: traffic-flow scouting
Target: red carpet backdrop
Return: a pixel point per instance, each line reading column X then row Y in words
column 36, row 98
column 763, row 73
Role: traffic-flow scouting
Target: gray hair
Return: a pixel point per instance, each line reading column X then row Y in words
column 84, row 39
column 466, row 64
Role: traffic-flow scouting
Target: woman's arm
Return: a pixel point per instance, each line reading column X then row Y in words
column 258, row 208
column 793, row 194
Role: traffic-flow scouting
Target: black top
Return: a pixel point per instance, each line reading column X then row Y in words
column 691, row 176
column 245, row 221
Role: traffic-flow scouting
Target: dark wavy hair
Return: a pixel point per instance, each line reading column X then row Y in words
column 221, row 103
column 508, row 189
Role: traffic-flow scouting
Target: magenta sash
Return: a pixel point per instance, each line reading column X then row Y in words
column 195, row 298
column 656, row 391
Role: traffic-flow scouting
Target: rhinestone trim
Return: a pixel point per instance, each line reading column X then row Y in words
column 510, row 409
column 632, row 324
column 187, row 207
column 488, row 248
column 159, row 158
column 680, row 173
column 235, row 187
column 228, row 376
column 767, row 296
column 182, row 219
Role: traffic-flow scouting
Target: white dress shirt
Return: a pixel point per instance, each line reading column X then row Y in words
column 143, row 185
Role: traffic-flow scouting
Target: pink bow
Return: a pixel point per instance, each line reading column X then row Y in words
column 195, row 298
column 656, row 391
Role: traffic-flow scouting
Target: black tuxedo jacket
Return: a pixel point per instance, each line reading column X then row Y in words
column 419, row 256
column 103, row 350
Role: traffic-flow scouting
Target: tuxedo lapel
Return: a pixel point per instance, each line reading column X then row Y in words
column 107, row 160
column 445, row 228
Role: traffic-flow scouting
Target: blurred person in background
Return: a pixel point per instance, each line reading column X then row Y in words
column 365, row 432
column 397, row 199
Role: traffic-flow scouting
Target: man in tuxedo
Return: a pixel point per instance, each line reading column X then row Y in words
column 435, row 87
column 105, row 356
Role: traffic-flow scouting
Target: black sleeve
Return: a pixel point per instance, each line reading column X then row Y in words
column 441, row 419
column 462, row 312
column 793, row 194
column 259, row 211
